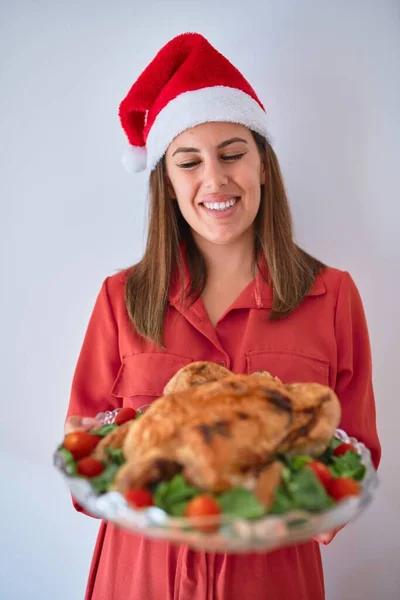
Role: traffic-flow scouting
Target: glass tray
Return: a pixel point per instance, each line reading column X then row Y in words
column 234, row 535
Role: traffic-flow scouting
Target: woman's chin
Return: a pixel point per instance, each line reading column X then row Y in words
column 222, row 237
column 218, row 240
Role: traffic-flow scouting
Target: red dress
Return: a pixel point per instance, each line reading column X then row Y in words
column 324, row 340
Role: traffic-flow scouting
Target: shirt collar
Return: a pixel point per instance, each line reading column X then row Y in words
column 258, row 294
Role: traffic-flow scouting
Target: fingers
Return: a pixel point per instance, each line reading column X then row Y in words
column 325, row 538
column 80, row 424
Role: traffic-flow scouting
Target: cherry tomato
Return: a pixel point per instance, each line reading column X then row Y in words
column 139, row 497
column 89, row 466
column 343, row 487
column 343, row 448
column 124, row 415
column 80, row 443
column 321, row 471
column 204, row 506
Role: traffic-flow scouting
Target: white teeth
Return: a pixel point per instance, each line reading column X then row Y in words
column 220, row 205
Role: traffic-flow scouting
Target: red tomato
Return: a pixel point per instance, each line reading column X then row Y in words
column 89, row 466
column 139, row 497
column 204, row 506
column 80, row 443
column 321, row 471
column 124, row 415
column 343, row 448
column 343, row 487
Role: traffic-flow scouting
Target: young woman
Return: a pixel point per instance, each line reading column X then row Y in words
column 221, row 280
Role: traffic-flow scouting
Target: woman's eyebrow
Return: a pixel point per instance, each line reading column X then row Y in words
column 221, row 145
column 231, row 141
column 185, row 150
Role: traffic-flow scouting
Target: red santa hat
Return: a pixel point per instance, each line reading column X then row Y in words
column 187, row 83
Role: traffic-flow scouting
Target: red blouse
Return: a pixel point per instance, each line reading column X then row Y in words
column 324, row 340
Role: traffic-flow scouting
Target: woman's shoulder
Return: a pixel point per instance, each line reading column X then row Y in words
column 331, row 275
column 114, row 285
column 336, row 280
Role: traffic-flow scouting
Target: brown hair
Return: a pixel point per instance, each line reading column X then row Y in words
column 291, row 270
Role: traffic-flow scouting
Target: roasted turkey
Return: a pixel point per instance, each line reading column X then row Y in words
column 226, row 430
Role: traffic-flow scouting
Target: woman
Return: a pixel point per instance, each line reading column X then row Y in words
column 221, row 280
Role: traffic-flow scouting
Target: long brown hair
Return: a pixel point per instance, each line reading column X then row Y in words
column 291, row 270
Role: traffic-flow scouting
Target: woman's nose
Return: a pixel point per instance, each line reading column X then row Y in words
column 215, row 176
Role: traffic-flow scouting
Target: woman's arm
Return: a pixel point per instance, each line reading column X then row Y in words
column 97, row 367
column 354, row 375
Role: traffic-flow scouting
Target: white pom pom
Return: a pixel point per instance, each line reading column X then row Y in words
column 134, row 159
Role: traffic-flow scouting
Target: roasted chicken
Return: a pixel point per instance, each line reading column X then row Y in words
column 226, row 432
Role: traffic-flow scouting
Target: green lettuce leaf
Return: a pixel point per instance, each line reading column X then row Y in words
column 282, row 502
column 102, row 482
column 178, row 509
column 327, row 456
column 298, row 462
column 348, row 465
column 241, row 503
column 69, row 461
column 172, row 496
column 116, row 455
column 307, row 492
column 105, row 430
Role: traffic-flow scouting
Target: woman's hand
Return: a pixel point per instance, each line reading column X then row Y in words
column 80, row 424
column 326, row 538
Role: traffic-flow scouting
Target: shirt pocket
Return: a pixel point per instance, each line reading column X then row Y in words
column 142, row 377
column 289, row 366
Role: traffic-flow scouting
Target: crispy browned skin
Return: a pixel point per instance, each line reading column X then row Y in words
column 268, row 375
column 197, row 373
column 193, row 375
column 267, row 482
column 220, row 432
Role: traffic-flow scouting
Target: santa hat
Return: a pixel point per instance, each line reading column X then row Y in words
column 188, row 83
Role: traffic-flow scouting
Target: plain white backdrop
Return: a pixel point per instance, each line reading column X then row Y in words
column 328, row 74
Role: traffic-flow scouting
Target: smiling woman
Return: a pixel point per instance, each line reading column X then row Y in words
column 217, row 184
column 221, row 280
column 204, row 168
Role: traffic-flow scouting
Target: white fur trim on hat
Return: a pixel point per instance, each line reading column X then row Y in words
column 134, row 159
column 211, row 104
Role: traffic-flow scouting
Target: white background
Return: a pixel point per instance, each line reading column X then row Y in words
column 328, row 74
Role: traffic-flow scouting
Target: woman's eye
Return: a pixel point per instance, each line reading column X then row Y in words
column 193, row 163
column 188, row 165
column 233, row 157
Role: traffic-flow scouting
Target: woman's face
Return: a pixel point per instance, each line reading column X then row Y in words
column 215, row 172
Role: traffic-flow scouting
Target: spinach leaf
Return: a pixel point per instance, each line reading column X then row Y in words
column 241, row 503
column 348, row 465
column 102, row 482
column 178, row 510
column 172, row 496
column 307, row 492
column 298, row 462
column 116, row 455
column 282, row 502
column 69, row 461
column 105, row 430
column 327, row 456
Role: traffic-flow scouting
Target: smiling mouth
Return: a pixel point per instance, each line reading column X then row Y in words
column 221, row 206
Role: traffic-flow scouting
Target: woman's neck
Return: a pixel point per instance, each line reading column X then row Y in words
column 228, row 261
